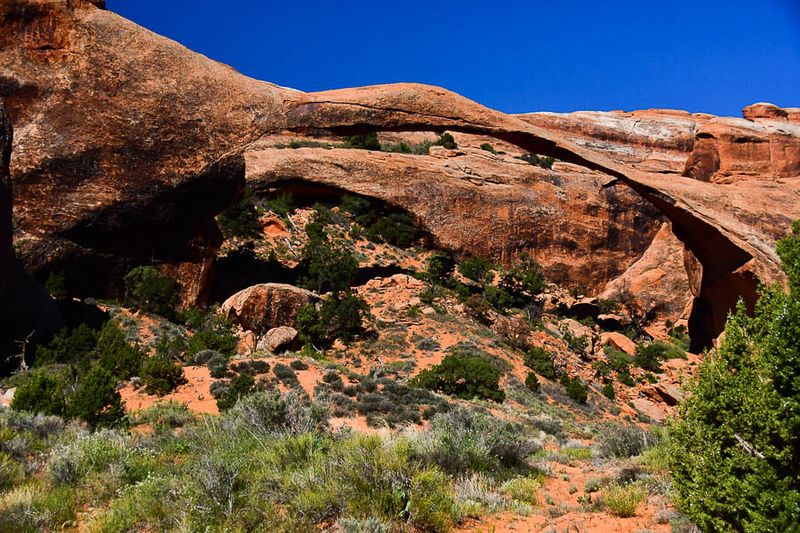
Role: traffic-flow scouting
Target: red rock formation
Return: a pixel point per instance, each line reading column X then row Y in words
column 5, row 197
column 266, row 306
column 129, row 144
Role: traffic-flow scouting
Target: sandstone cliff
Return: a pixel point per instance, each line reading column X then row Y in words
column 129, row 144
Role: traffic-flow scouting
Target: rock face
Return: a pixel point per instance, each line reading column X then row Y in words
column 132, row 165
column 5, row 197
column 263, row 307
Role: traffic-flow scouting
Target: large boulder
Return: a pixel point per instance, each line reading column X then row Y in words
column 263, row 307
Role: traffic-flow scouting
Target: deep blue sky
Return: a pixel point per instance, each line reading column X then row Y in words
column 713, row 56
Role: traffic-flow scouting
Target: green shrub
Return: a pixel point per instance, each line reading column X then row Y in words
column 340, row 317
column 617, row 359
column 499, row 298
column 160, row 375
column 446, row 140
column 477, row 269
column 524, row 280
column 97, row 400
column 238, row 387
column 735, row 445
column 649, row 356
column 488, row 147
column 217, row 365
column 326, row 265
column 532, row 382
column 608, row 391
column 297, row 364
column 281, row 205
column 540, row 361
column 463, row 375
column 545, row 162
column 431, row 503
column 397, row 229
column 149, row 290
column 75, row 346
column 241, row 219
column 439, row 268
column 365, row 141
column 40, row 393
column 523, row 489
column 215, row 333
column 622, row 500
column 575, row 388
column 623, row 441
column 626, row 379
column 115, row 354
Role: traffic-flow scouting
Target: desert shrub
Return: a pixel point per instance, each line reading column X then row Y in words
column 478, row 308
column 285, row 374
column 396, row 404
column 446, row 140
column 575, row 388
column 463, row 440
column 217, row 365
column 251, row 367
column 326, row 264
column 340, row 317
column 626, row 379
column 365, row 141
column 149, row 290
column 75, row 346
column 281, row 205
column 238, row 387
column 115, row 354
column 163, row 416
column 297, row 364
column 463, row 375
column 649, row 356
column 362, row 525
column 488, row 147
column 540, row 361
column 545, row 162
column 241, row 219
column 439, row 268
column 524, row 280
column 608, row 391
column 576, row 343
column 161, row 375
column 499, row 298
column 477, row 269
column 532, row 382
column 40, row 393
column 273, row 413
column 617, row 359
column 214, row 333
column 431, row 502
column 73, row 460
column 96, row 399
column 622, row 500
column 523, row 489
column 624, row 441
column 397, row 229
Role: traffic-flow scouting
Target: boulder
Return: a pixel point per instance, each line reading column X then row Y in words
column 277, row 339
column 263, row 307
column 618, row 341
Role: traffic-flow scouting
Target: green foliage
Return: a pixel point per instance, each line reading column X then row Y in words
column 575, row 388
column 540, row 361
column 499, row 298
column 608, row 391
column 545, row 162
column 622, row 500
column 524, row 280
column 366, row 141
column 463, row 375
column 397, row 229
column 56, row 285
column 281, row 205
column 735, row 447
column 618, row 360
column 215, row 333
column 532, row 382
column 439, row 268
column 97, row 400
column 649, row 356
column 327, row 264
column 488, row 147
column 623, row 441
column 477, row 269
column 149, row 290
column 340, row 316
column 446, row 140
column 237, row 388
column 75, row 346
column 40, row 393
column 115, row 354
column 161, row 375
column 241, row 219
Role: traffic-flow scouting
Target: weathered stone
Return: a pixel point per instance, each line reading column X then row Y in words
column 618, row 341
column 265, row 306
column 277, row 339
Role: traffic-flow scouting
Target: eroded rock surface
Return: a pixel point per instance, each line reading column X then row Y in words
column 263, row 307
column 128, row 145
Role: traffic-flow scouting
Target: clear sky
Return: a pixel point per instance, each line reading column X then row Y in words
column 714, row 56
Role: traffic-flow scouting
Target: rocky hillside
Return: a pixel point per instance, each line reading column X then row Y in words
column 122, row 168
